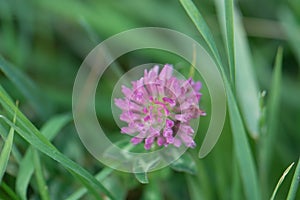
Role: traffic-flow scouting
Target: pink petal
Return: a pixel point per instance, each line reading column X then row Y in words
column 166, row 72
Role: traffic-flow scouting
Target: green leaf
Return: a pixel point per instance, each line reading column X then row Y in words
column 43, row 189
column 34, row 96
column 49, row 130
column 242, row 150
column 229, row 21
column 210, row 139
column 239, row 55
column 29, row 132
column 185, row 163
column 241, row 145
column 203, row 28
column 295, row 183
column 246, row 85
column 9, row 191
column 281, row 180
column 5, row 152
column 15, row 151
column 225, row 11
column 267, row 141
column 142, row 177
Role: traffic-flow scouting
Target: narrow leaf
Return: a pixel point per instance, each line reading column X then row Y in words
column 29, row 132
column 240, row 64
column 241, row 145
column 142, row 177
column 267, row 141
column 246, row 84
column 281, row 180
column 5, row 152
column 242, row 151
column 43, row 189
column 49, row 130
column 27, row 88
column 295, row 183
column 202, row 27
column 9, row 191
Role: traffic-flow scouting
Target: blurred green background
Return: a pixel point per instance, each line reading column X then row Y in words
column 43, row 43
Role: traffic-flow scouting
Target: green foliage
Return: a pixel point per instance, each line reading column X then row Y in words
column 44, row 42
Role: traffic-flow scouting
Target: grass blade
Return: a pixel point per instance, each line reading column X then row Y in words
column 225, row 11
column 5, row 152
column 15, row 151
column 242, row 151
column 281, row 180
column 27, row 130
column 34, row 96
column 241, row 145
column 9, row 191
column 203, row 28
column 39, row 177
column 246, row 85
column 230, row 38
column 49, row 130
column 267, row 141
column 239, row 59
column 295, row 183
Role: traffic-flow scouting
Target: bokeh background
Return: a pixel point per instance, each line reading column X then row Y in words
column 43, row 43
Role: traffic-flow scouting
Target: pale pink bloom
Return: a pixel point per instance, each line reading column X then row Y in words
column 159, row 107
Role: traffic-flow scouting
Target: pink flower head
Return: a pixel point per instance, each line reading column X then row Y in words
column 159, row 108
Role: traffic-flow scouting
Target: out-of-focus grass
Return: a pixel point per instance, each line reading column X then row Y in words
column 45, row 42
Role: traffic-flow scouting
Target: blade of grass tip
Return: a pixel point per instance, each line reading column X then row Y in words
column 9, row 191
column 203, row 28
column 241, row 145
column 5, row 153
column 246, row 84
column 43, row 189
column 142, row 177
column 267, row 141
column 30, row 133
column 281, row 180
column 295, row 183
column 15, row 151
column 26, row 169
column 34, row 96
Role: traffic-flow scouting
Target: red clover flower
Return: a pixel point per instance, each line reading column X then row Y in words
column 159, row 108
